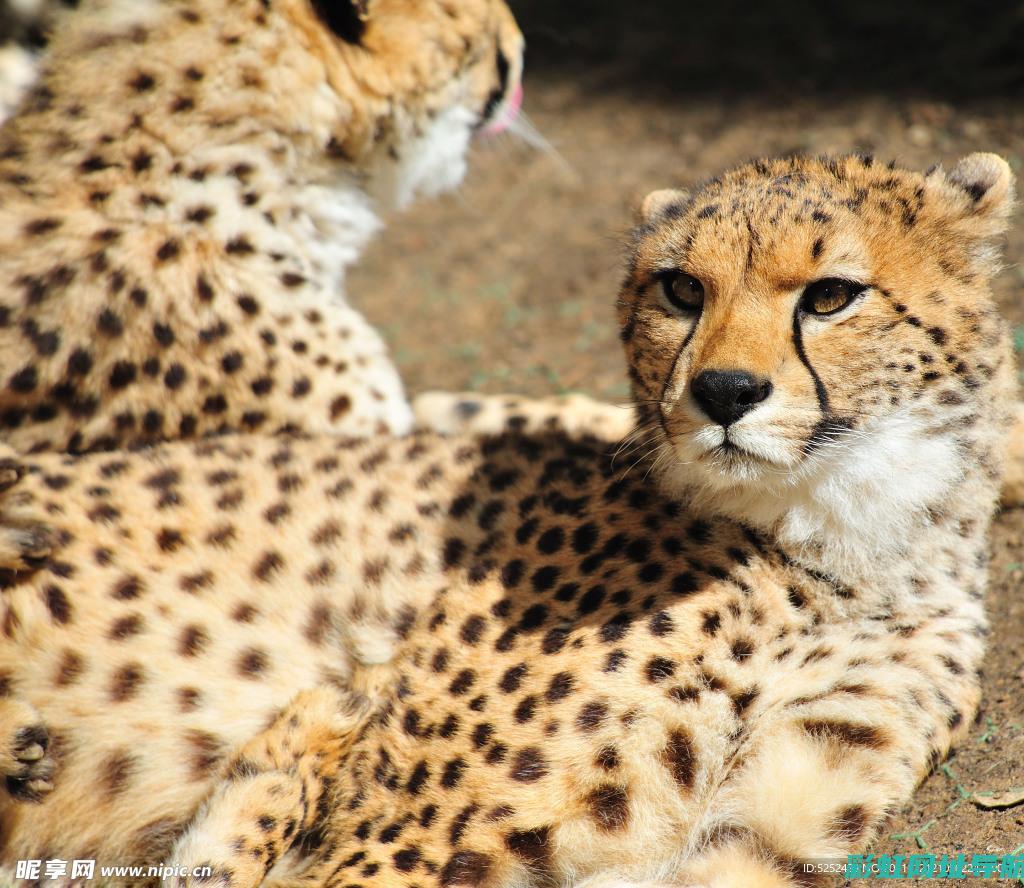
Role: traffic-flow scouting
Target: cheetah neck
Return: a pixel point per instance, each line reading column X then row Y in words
column 899, row 504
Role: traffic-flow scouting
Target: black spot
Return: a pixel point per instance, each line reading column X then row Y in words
column 168, row 250
column 661, row 624
column 473, row 629
column 125, row 682
column 659, row 668
column 528, row 765
column 742, row 648
column 109, row 323
column 846, row 733
column 551, row 541
column 123, row 374
column 561, row 686
column 174, row 378
column 609, row 807
column 591, row 716
column 463, row 867
column 462, row 682
column 406, row 860
column 512, row 678
column 531, row 846
column 849, row 824
column 25, row 380
column 525, row 710
column 680, row 759
column 79, row 362
column 419, row 776
column 584, row 538
column 57, row 604
column 142, row 82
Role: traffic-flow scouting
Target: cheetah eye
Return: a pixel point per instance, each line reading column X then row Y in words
column 828, row 296
column 683, row 291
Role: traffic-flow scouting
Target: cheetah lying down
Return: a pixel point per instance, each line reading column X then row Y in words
column 502, row 661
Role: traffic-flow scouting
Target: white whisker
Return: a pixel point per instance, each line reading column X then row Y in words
column 523, row 127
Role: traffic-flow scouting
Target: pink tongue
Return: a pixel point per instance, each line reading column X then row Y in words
column 511, row 112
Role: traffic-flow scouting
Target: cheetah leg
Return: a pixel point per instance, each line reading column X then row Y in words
column 1013, row 480
column 576, row 415
column 25, row 763
column 276, row 791
column 829, row 760
column 24, row 536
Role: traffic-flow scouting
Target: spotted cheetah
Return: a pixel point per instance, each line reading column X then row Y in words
column 23, row 24
column 504, row 661
column 182, row 192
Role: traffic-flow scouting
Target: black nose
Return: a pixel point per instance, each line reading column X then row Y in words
column 726, row 395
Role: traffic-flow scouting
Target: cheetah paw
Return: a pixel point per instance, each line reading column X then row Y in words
column 25, row 761
column 25, row 539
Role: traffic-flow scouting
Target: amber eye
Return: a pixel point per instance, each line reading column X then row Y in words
column 684, row 291
column 828, row 296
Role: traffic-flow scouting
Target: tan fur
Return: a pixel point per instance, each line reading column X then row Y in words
column 181, row 193
column 575, row 675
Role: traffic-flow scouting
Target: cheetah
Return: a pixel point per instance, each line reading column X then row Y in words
column 181, row 193
column 503, row 661
column 22, row 24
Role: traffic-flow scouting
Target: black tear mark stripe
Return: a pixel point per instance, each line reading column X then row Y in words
column 671, row 375
column 819, row 386
column 752, row 240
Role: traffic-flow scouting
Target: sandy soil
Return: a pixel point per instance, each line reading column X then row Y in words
column 509, row 285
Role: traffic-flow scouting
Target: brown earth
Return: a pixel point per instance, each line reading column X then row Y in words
column 509, row 284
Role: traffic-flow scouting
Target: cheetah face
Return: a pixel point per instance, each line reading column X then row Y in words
column 430, row 75
column 800, row 320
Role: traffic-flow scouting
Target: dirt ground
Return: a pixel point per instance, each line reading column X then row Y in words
column 509, row 284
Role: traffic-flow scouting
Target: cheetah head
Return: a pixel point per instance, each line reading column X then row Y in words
column 813, row 343
column 418, row 79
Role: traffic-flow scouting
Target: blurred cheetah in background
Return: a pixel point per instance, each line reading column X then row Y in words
column 182, row 192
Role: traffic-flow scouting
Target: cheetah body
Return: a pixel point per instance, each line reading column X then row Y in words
column 517, row 664
column 182, row 192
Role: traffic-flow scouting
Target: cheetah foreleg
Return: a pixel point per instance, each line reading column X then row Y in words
column 277, row 790
column 576, row 415
column 840, row 747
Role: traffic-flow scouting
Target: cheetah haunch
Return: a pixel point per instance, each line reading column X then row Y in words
column 502, row 661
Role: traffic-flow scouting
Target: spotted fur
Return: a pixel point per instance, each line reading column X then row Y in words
column 518, row 665
column 180, row 196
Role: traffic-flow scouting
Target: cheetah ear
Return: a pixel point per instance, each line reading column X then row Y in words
column 345, row 18
column 981, row 186
column 977, row 197
column 666, row 203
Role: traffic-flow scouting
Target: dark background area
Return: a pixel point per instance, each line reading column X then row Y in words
column 509, row 284
column 734, row 48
